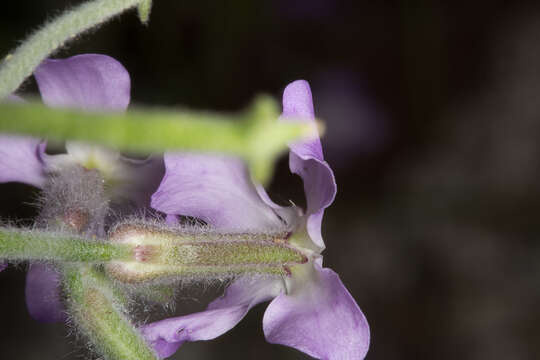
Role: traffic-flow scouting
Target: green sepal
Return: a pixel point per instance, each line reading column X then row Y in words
column 165, row 254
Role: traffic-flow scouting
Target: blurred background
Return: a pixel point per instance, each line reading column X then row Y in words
column 433, row 124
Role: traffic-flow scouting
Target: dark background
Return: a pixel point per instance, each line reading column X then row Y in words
column 433, row 124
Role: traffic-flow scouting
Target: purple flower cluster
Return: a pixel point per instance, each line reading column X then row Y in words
column 310, row 310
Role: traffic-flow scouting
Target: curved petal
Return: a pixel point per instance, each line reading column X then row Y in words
column 166, row 336
column 89, row 82
column 43, row 294
column 291, row 215
column 320, row 189
column 3, row 266
column 321, row 319
column 222, row 314
column 306, row 159
column 21, row 160
column 216, row 189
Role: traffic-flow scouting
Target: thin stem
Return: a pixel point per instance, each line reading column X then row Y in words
column 22, row 62
column 16, row 245
column 97, row 309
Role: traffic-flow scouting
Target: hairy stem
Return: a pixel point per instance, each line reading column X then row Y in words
column 97, row 309
column 17, row 245
column 20, row 64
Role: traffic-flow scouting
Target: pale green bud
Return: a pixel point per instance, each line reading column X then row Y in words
column 164, row 253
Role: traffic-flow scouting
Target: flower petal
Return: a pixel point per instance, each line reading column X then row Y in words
column 216, row 189
column 166, row 336
column 321, row 319
column 3, row 266
column 306, row 159
column 223, row 314
column 21, row 160
column 43, row 294
column 89, row 82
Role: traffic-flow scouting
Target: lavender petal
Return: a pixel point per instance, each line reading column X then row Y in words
column 166, row 336
column 21, row 160
column 88, row 82
column 321, row 319
column 216, row 189
column 43, row 294
column 306, row 159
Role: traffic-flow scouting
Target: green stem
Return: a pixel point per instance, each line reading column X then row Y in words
column 23, row 61
column 16, row 245
column 97, row 309
column 255, row 135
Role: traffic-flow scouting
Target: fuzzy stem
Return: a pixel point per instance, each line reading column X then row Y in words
column 97, row 309
column 22, row 62
column 17, row 245
column 254, row 135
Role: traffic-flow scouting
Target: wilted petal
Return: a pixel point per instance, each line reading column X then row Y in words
column 43, row 294
column 320, row 318
column 223, row 314
column 306, row 159
column 216, row 189
column 89, row 82
column 21, row 160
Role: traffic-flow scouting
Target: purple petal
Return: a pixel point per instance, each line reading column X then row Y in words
column 43, row 294
column 216, row 189
column 306, row 159
column 166, row 336
column 3, row 266
column 21, row 160
column 223, row 314
column 89, row 82
column 321, row 319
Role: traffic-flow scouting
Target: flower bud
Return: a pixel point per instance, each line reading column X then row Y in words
column 164, row 253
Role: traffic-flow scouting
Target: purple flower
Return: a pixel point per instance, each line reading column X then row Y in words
column 311, row 310
column 90, row 82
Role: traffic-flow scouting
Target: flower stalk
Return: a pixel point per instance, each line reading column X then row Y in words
column 98, row 311
column 21, row 245
column 253, row 134
column 20, row 64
